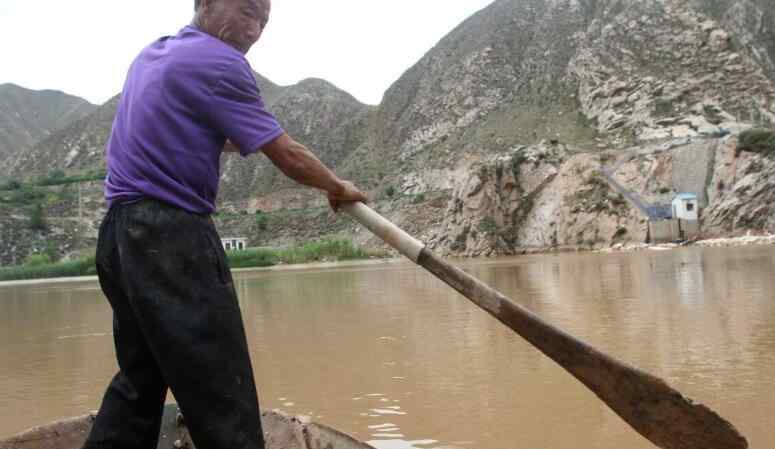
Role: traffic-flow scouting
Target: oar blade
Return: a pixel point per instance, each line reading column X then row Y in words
column 664, row 416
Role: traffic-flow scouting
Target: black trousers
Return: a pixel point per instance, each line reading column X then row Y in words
column 177, row 325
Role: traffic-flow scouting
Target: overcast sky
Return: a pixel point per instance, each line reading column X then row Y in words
column 84, row 47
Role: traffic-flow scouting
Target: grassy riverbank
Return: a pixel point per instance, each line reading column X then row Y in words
column 329, row 250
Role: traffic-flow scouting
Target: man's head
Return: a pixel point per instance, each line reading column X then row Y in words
column 239, row 23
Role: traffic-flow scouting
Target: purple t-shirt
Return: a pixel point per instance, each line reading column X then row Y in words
column 183, row 97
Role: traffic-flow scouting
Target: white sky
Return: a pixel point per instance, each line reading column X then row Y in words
column 84, row 47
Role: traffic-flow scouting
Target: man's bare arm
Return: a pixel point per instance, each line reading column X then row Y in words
column 299, row 164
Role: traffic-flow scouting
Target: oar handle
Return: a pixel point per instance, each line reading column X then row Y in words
column 384, row 229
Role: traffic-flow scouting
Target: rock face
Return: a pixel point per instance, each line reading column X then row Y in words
column 27, row 116
column 537, row 197
column 660, row 69
column 742, row 192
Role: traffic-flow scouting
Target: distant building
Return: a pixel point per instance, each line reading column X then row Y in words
column 682, row 226
column 686, row 206
column 234, row 244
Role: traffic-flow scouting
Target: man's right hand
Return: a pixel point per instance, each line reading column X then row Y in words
column 348, row 193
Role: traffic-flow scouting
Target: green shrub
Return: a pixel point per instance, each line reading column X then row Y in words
column 418, row 199
column 251, row 258
column 52, row 251
column 390, row 191
column 758, row 140
column 39, row 267
column 36, row 260
column 81, row 267
column 26, row 195
column 487, row 225
column 11, row 185
column 262, row 220
column 328, row 250
column 58, row 177
column 57, row 174
column 38, row 218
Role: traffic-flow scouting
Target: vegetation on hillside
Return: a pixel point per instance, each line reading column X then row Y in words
column 39, row 266
column 53, row 178
column 758, row 140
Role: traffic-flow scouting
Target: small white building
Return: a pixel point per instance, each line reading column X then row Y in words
column 235, row 244
column 686, row 206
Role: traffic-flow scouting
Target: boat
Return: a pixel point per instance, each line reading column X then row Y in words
column 281, row 431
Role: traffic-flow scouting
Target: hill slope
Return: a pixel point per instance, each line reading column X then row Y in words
column 27, row 116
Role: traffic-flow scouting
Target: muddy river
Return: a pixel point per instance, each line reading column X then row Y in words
column 394, row 357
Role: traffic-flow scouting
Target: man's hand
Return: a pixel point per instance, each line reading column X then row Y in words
column 348, row 194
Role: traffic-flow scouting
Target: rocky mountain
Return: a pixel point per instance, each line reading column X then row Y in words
column 27, row 116
column 509, row 134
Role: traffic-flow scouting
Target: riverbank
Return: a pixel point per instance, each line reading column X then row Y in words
column 721, row 242
column 324, row 251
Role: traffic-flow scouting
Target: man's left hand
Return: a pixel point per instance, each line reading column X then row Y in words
column 347, row 193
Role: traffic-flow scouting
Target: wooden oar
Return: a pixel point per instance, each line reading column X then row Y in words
column 645, row 402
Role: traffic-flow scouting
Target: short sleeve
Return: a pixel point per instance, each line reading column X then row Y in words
column 239, row 112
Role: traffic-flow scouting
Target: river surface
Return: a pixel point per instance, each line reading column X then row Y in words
column 394, row 357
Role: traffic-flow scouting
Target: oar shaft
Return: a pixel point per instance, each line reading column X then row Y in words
column 385, row 230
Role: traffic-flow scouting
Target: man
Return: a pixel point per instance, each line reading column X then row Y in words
column 177, row 324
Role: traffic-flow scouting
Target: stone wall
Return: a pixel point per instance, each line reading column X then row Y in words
column 693, row 168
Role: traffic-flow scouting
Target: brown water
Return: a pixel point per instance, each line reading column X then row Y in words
column 392, row 356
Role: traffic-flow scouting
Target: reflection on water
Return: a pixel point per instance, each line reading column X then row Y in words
column 394, row 357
